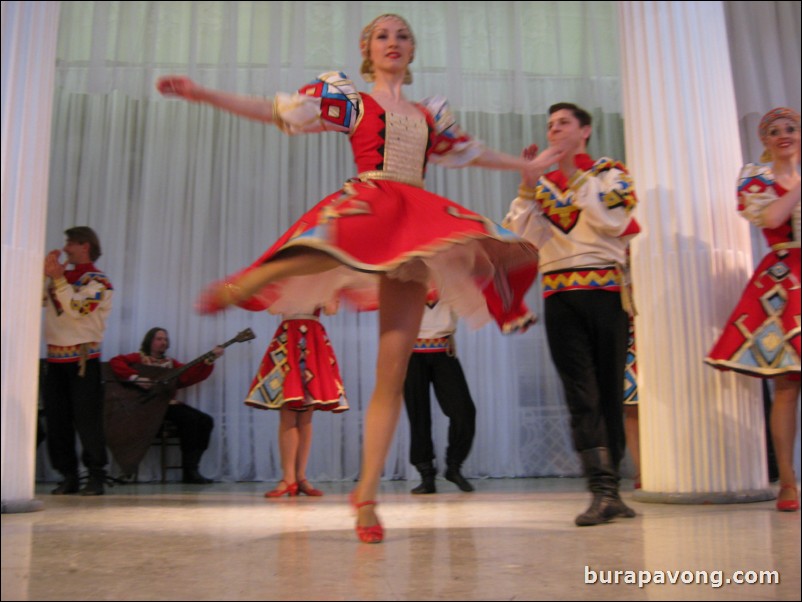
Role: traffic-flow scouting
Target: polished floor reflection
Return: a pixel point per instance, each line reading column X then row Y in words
column 511, row 539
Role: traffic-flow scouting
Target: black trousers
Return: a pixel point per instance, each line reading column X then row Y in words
column 194, row 430
column 74, row 403
column 587, row 334
column 444, row 372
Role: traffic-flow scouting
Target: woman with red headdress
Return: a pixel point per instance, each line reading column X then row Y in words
column 761, row 337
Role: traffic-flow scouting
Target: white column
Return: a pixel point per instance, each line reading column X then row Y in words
column 702, row 431
column 30, row 30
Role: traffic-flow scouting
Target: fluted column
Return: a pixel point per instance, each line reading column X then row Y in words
column 30, row 30
column 702, row 431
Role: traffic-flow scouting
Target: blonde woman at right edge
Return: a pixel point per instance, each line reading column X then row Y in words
column 761, row 337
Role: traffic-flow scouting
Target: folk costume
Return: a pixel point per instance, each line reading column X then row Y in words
column 76, row 309
column 434, row 363
column 582, row 227
column 383, row 221
column 194, row 426
column 299, row 369
column 761, row 337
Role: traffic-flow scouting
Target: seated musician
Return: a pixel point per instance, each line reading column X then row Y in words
column 194, row 427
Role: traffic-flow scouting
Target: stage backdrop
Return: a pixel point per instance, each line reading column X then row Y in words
column 182, row 194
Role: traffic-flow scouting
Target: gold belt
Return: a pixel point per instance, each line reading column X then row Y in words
column 781, row 246
column 391, row 176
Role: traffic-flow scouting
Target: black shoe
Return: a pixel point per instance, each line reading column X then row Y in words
column 426, row 486
column 193, row 477
column 68, row 486
column 455, row 476
column 428, row 473
column 94, row 486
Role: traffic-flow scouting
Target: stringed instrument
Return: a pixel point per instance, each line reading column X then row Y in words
column 132, row 415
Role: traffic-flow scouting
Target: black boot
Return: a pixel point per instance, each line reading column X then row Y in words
column 68, row 486
column 427, row 472
column 454, row 475
column 622, row 509
column 190, row 460
column 96, row 483
column 602, row 482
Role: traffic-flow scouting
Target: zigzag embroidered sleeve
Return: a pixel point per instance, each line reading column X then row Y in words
column 606, row 196
column 452, row 146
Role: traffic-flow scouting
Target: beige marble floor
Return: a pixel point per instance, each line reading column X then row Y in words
column 511, row 539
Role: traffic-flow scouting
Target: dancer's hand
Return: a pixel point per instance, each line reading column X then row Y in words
column 180, row 86
column 53, row 267
column 538, row 165
column 530, row 152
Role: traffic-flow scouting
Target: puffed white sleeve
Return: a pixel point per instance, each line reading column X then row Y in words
column 755, row 192
column 452, row 146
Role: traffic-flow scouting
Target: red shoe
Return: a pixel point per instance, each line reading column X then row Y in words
column 289, row 489
column 307, row 489
column 788, row 505
column 372, row 534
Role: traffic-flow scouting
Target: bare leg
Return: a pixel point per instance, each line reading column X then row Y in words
column 400, row 313
column 298, row 261
column 783, row 430
column 304, row 421
column 633, row 436
column 288, row 443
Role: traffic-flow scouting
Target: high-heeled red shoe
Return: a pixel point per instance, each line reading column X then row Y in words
column 306, row 488
column 788, row 505
column 289, row 489
column 372, row 534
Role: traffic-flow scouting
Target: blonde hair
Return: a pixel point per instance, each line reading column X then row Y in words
column 366, row 69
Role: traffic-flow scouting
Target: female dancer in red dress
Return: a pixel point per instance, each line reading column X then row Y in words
column 761, row 338
column 382, row 242
column 298, row 374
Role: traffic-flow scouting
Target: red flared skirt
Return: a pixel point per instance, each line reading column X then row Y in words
column 761, row 337
column 385, row 227
column 299, row 371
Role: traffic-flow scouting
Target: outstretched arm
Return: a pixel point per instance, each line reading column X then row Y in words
column 492, row 159
column 252, row 107
column 530, row 164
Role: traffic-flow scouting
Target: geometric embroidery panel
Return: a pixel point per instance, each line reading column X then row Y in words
column 774, row 300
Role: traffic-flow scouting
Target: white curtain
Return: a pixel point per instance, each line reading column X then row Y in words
column 182, row 194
